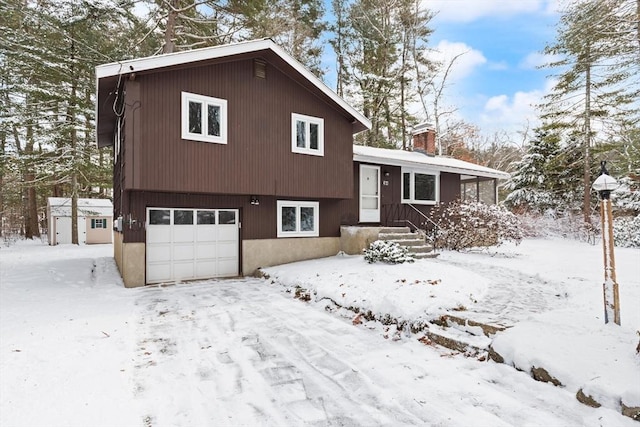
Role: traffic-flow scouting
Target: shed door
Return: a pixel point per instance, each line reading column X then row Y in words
column 369, row 193
column 63, row 230
column 188, row 244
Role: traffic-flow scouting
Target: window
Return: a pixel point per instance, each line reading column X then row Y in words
column 307, row 135
column 298, row 219
column 420, row 188
column 98, row 223
column 204, row 118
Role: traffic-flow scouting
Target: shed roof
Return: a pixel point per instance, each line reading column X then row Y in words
column 61, row 206
column 107, row 76
column 413, row 159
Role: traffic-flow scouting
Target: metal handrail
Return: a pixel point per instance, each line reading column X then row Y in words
column 423, row 215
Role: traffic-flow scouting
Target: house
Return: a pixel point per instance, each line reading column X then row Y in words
column 226, row 159
column 396, row 186
column 95, row 220
column 236, row 157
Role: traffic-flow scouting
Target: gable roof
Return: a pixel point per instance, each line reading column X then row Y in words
column 413, row 159
column 61, row 206
column 111, row 72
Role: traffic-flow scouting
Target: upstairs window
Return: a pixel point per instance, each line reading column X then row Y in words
column 307, row 135
column 420, row 188
column 204, row 118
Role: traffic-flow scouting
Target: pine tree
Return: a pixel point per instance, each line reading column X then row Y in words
column 598, row 81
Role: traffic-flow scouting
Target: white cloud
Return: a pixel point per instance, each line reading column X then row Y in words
column 513, row 113
column 464, row 65
column 470, row 10
column 537, row 59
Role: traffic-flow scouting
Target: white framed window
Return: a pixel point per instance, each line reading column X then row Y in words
column 204, row 118
column 298, row 219
column 98, row 223
column 307, row 134
column 419, row 187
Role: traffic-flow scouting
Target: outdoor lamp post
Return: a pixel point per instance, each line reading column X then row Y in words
column 604, row 184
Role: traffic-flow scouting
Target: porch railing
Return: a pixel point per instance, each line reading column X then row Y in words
column 415, row 219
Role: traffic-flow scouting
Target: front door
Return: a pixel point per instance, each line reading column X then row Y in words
column 369, row 193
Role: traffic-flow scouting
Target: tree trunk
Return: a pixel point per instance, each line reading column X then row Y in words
column 170, row 31
column 586, row 207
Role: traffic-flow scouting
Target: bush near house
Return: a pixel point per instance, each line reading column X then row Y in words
column 389, row 252
column 464, row 225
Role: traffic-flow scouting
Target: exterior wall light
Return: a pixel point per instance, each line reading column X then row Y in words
column 254, row 200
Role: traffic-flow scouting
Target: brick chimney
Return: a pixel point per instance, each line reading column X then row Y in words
column 424, row 139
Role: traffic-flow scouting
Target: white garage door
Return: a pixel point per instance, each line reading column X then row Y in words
column 187, row 244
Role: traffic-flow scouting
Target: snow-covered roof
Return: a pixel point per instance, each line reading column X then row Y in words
column 61, row 206
column 416, row 160
column 195, row 55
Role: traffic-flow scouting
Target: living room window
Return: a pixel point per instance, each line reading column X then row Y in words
column 204, row 118
column 307, row 134
column 420, row 188
column 298, row 219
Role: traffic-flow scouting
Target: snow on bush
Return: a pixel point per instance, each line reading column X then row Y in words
column 474, row 224
column 626, row 232
column 390, row 252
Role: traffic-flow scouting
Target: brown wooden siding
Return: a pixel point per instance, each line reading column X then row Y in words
column 258, row 222
column 257, row 159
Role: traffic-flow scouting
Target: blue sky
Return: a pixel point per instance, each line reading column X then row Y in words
column 495, row 83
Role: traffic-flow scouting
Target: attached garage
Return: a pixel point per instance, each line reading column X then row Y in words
column 188, row 244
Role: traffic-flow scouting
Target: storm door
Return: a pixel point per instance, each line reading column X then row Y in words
column 369, row 193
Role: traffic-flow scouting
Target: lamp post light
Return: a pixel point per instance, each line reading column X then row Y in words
column 604, row 184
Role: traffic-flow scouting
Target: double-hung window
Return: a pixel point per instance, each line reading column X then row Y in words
column 298, row 219
column 421, row 188
column 204, row 118
column 307, row 134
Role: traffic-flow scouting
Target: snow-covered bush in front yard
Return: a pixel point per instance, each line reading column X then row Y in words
column 472, row 224
column 626, row 231
column 390, row 252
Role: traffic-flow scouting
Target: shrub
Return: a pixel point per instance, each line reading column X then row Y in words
column 626, row 232
column 473, row 224
column 390, row 252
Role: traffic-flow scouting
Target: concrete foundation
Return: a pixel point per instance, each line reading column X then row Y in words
column 130, row 259
column 354, row 239
column 270, row 252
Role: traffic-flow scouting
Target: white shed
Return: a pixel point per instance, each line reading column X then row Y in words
column 95, row 220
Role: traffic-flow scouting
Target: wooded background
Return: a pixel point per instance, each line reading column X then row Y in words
column 49, row 50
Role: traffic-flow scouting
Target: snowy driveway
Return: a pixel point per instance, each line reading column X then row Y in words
column 242, row 353
column 78, row 349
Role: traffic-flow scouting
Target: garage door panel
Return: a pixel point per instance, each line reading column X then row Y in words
column 206, row 268
column 206, row 251
column 227, row 267
column 207, row 233
column 158, row 272
column 183, row 233
column 183, row 270
column 159, row 253
column 228, row 232
column 183, row 252
column 158, row 234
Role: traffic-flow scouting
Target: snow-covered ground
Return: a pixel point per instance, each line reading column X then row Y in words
column 78, row 349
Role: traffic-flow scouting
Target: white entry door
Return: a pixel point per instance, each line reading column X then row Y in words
column 369, row 193
column 187, row 244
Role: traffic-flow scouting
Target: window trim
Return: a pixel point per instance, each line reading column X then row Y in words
column 299, row 204
column 308, row 120
column 205, row 101
column 412, row 189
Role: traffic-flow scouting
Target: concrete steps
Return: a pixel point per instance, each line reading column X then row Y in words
column 414, row 242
